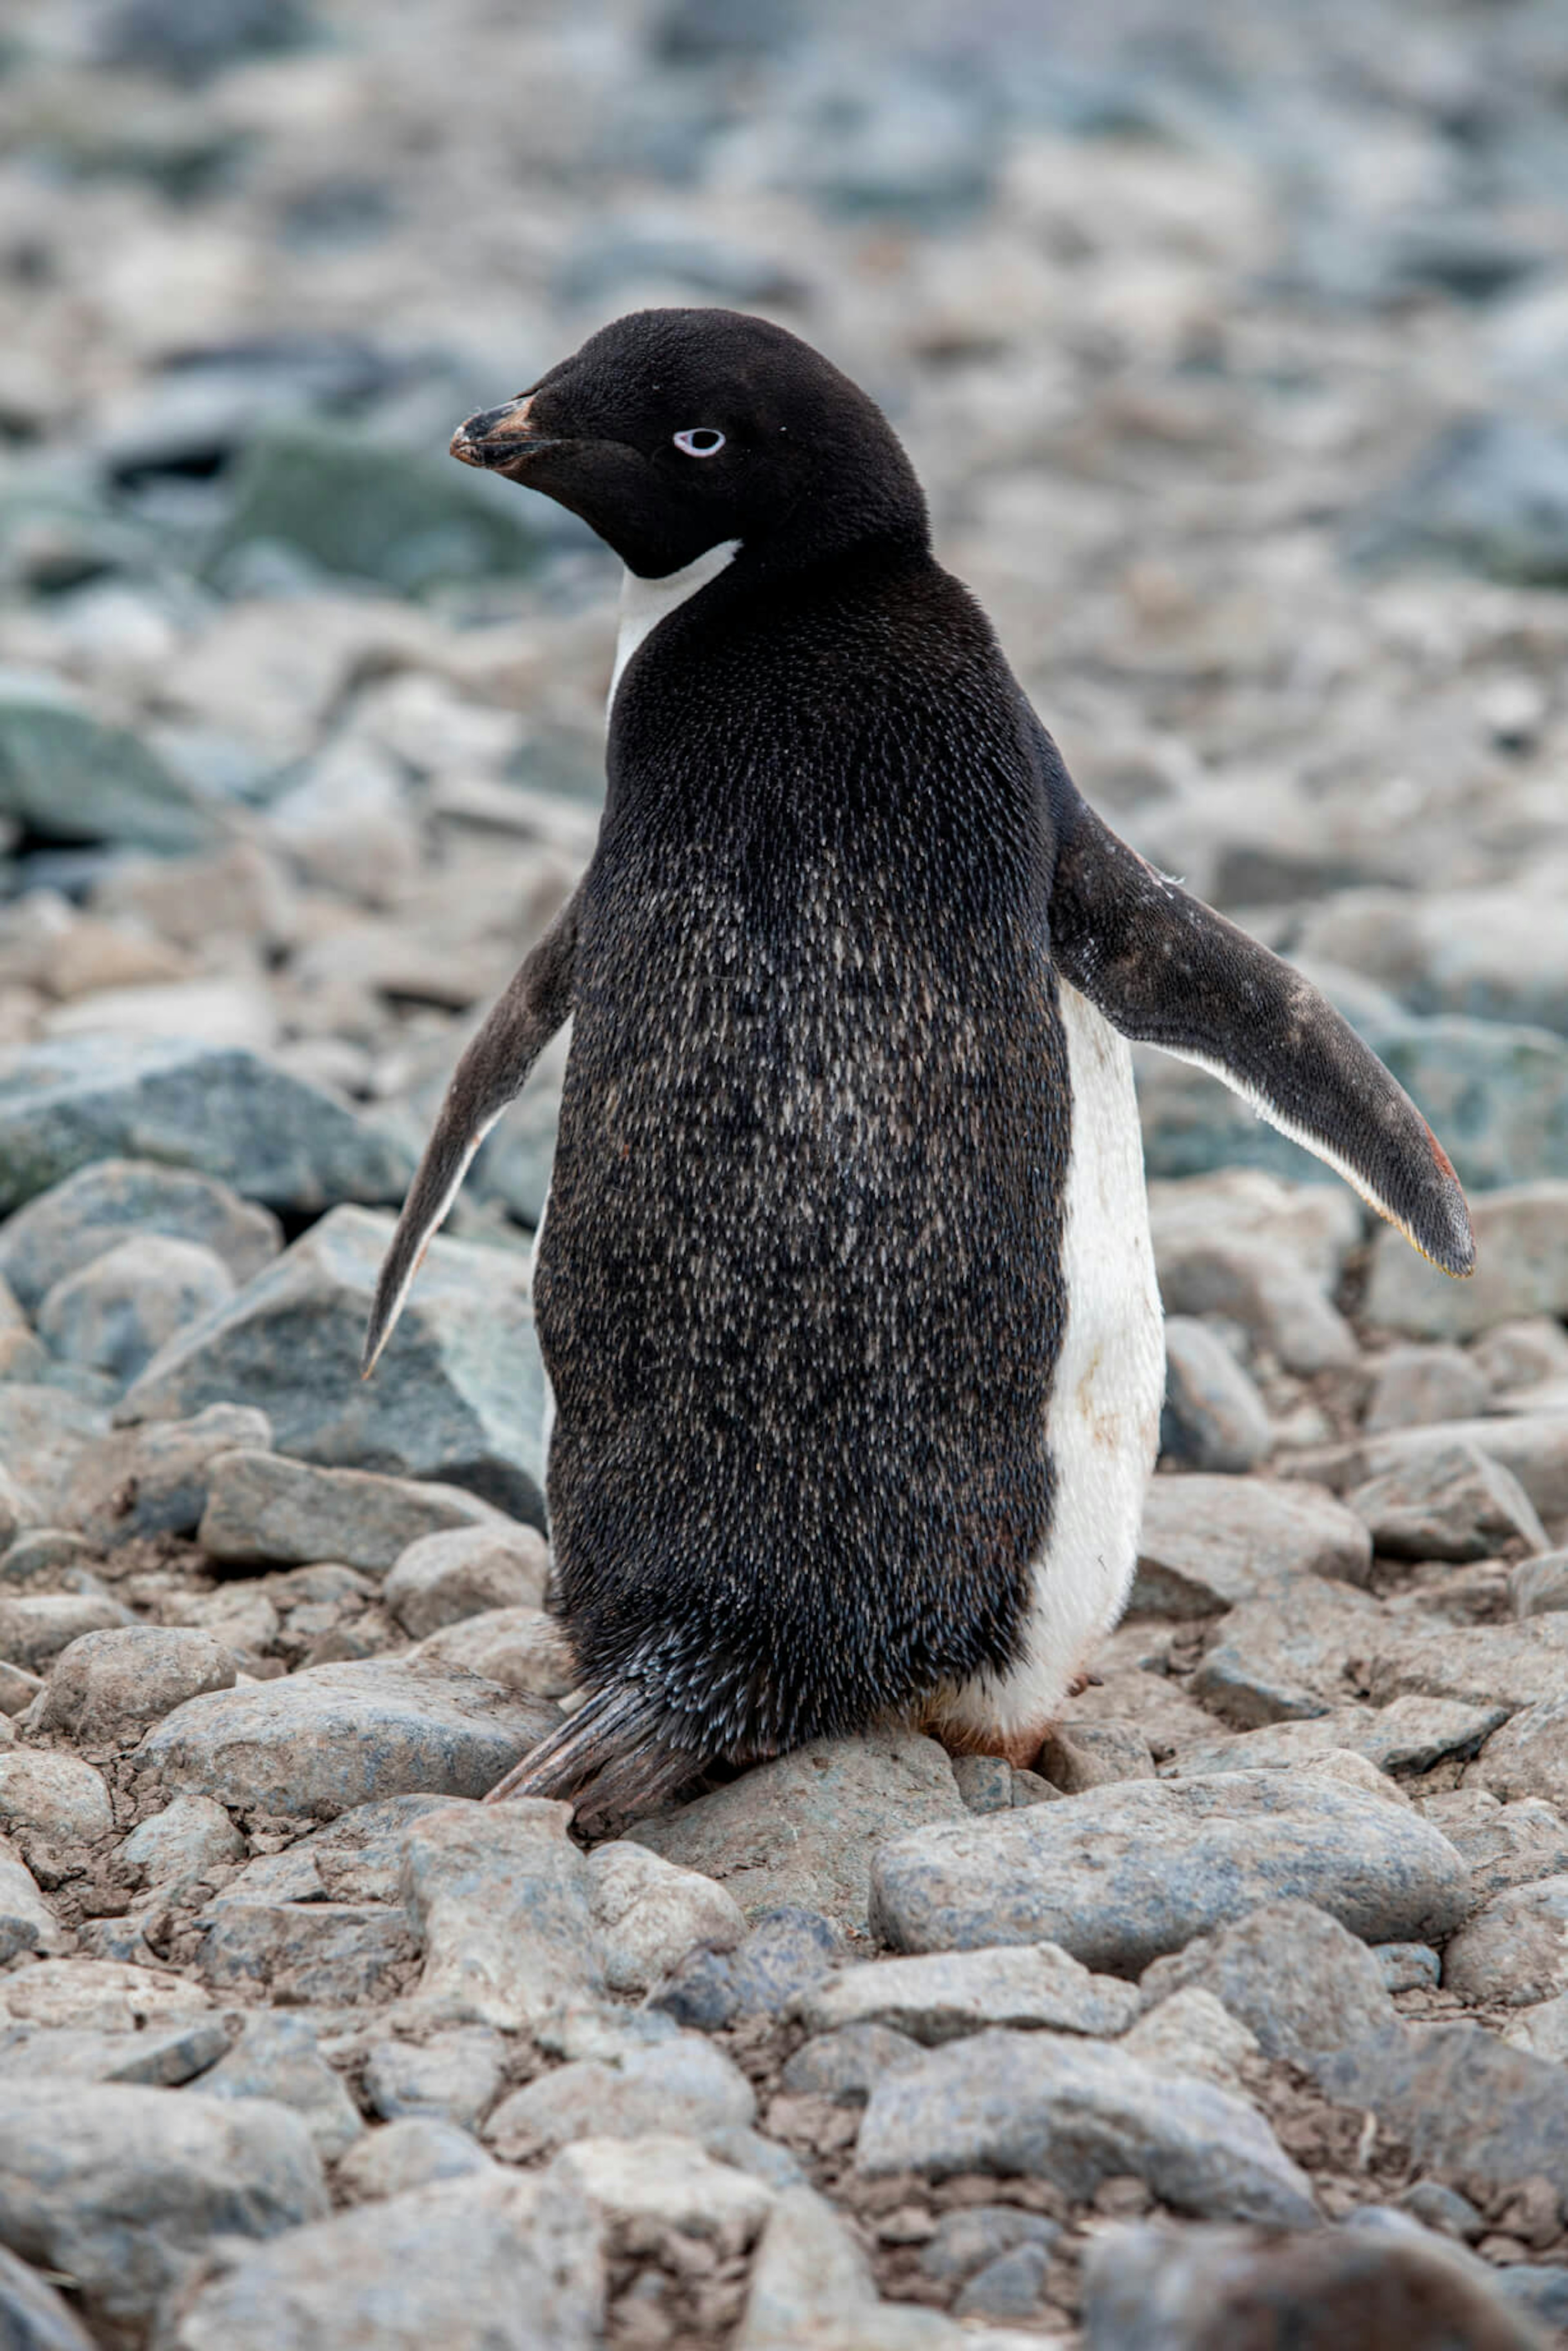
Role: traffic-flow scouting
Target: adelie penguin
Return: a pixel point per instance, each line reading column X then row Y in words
column 844, row 1288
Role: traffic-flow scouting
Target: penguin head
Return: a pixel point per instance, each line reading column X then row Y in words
column 672, row 432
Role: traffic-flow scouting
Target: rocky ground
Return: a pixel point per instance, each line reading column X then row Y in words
column 1232, row 345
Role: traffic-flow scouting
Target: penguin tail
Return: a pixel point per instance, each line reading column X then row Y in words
column 613, row 1758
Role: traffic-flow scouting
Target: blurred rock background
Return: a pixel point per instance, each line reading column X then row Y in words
column 1230, row 341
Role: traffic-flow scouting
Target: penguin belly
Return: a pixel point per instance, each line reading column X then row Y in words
column 1103, row 1421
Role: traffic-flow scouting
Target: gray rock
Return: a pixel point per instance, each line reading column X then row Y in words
column 26, row 1921
column 1490, row 494
column 1469, row 2106
column 1214, row 1417
column 1501, row 1844
column 188, row 1836
column 1191, row 2033
column 35, row 1628
column 18, row 1688
column 222, row 1111
column 1541, row 2028
column 1408, row 1966
column 67, row 776
column 843, row 2064
column 459, row 1394
column 112, row 1315
column 1207, row 1543
column 951, row 1993
column 985, row 1782
column 277, row 2057
column 1410, row 1734
column 1334, row 2290
column 331, row 1737
column 56, row 1797
column 1451, row 1502
column 1285, row 1658
column 522, row 1648
column 1269, row 1295
column 373, row 512
column 1522, row 1353
column 469, row 2271
column 32, row 2315
column 649, row 1915
column 1412, row 1385
column 1532, row 1445
column 263, row 1508
column 452, row 2076
column 1120, row 1874
column 1513, row 1951
column 1537, row 1587
column 357, row 1857
column 969, row 2240
column 1074, row 2113
column 303, row 1952
column 499, row 1898
column 1529, row 1756
column 154, row 1480
column 1444, row 2208
column 787, row 1950
column 441, row 1578
column 413, row 2153
column 1292, row 1973
column 682, row 2084
column 65, row 1228
column 811, row 2285
column 39, row 1556
column 105, row 1688
column 1521, row 1268
column 1513, row 1665
column 1079, row 1755
column 1009, row 2287
column 44, row 1433
column 124, row 2189
column 802, row 1830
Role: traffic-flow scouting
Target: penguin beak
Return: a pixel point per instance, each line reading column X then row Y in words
column 501, row 440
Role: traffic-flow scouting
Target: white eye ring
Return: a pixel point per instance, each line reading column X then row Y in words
column 700, row 441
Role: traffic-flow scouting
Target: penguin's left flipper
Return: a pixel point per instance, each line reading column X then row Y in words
column 491, row 1074
column 1166, row 970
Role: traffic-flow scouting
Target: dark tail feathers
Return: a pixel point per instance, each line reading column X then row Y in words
column 613, row 1758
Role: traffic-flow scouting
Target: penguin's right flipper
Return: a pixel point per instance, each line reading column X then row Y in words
column 1167, row 970
column 609, row 1758
column 491, row 1073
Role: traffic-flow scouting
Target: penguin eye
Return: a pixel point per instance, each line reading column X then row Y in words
column 700, row 441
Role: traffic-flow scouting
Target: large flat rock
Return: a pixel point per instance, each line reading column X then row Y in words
column 1521, row 1268
column 1121, row 1873
column 1208, row 1541
column 331, row 1736
column 802, row 1830
column 218, row 1109
column 458, row 1394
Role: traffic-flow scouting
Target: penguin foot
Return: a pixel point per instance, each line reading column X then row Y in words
column 612, row 1759
column 1085, row 1681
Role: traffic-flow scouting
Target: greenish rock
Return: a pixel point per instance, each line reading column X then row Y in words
column 1491, row 496
column 366, row 511
column 219, row 1109
column 67, row 1226
column 1495, row 1093
column 67, row 777
column 458, row 1394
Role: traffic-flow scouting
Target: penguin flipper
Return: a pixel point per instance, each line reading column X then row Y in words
column 612, row 1759
column 1166, row 970
column 491, row 1073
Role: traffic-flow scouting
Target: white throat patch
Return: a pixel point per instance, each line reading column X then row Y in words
column 645, row 602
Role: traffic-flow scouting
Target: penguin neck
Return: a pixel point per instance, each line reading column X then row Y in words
column 645, row 602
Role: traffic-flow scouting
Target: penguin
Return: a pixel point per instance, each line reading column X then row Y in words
column 844, row 1288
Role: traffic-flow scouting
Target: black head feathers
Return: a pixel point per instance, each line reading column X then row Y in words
column 672, row 432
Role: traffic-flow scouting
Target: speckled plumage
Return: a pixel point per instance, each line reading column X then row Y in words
column 844, row 1292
